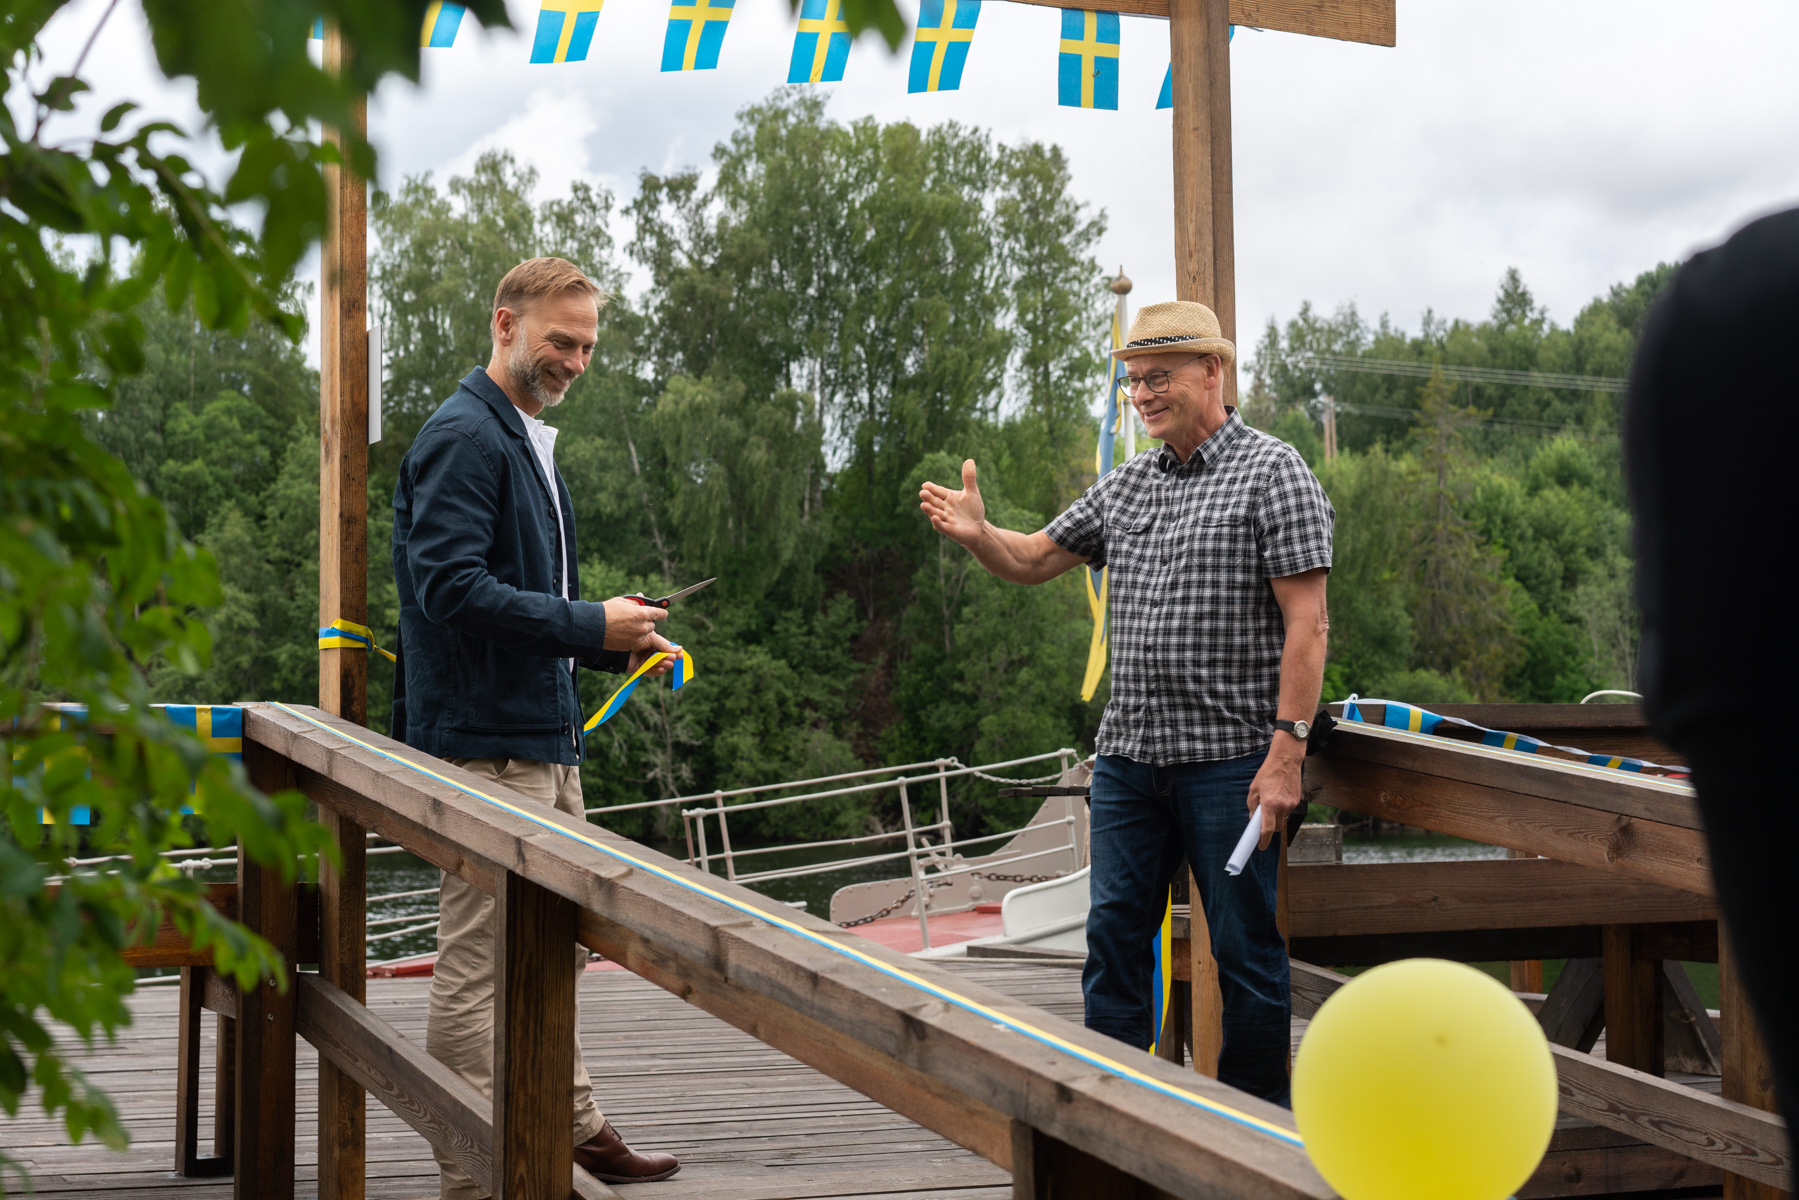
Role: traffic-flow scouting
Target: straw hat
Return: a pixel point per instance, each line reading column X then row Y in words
column 1176, row 325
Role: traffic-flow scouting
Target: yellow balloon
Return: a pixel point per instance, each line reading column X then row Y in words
column 1424, row 1079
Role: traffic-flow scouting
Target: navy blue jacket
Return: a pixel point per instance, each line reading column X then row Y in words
column 485, row 635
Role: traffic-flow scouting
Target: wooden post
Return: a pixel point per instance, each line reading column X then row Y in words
column 1748, row 1077
column 188, row 1159
column 342, row 925
column 343, row 593
column 224, row 1090
column 1204, row 239
column 265, row 1017
column 1633, row 1002
column 1207, row 1000
column 1044, row 1168
column 1527, row 973
column 344, row 420
column 534, row 1043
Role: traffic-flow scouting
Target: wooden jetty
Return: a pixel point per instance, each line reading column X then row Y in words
column 987, row 1056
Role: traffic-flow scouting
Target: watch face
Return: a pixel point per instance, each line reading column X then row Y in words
column 1301, row 729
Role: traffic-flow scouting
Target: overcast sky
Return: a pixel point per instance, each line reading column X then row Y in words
column 1580, row 142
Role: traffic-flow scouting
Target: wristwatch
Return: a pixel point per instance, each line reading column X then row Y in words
column 1299, row 729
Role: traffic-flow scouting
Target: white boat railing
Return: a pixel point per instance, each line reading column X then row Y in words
column 931, row 852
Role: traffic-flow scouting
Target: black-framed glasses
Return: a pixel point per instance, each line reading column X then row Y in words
column 1155, row 381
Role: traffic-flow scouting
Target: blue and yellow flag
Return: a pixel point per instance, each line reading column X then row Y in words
column 219, row 726
column 441, row 23
column 1115, row 420
column 940, row 44
column 564, row 30
column 318, row 29
column 696, row 33
column 1087, row 69
column 822, row 45
column 1161, row 979
column 1165, row 98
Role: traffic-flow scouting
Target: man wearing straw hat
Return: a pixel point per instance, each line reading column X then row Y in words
column 1218, row 544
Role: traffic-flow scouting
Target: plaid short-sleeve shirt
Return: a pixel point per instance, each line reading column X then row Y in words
column 1196, row 634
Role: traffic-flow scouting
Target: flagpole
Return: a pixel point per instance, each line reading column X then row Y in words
column 1121, row 321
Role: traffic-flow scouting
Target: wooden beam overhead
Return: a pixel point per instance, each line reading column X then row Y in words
column 1373, row 22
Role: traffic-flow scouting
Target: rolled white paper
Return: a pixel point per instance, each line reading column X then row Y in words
column 1246, row 845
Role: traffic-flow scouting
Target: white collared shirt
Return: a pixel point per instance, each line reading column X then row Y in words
column 543, row 440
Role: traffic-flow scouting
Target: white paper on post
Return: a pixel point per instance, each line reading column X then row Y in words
column 1246, row 845
column 375, row 373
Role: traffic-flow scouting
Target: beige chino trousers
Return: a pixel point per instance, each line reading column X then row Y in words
column 459, row 1030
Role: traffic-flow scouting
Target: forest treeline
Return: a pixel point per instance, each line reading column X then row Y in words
column 830, row 314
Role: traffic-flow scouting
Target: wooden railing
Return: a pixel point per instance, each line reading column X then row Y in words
column 1630, row 889
column 1070, row 1112
column 1624, row 886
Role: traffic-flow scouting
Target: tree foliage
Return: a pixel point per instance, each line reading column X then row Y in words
column 1482, row 532
column 104, row 225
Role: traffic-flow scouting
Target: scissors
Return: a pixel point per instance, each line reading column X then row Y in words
column 665, row 601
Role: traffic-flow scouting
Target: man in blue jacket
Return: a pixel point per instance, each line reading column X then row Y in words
column 492, row 628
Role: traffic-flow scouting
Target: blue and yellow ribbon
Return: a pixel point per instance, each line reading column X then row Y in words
column 348, row 635
column 1412, row 719
column 616, row 701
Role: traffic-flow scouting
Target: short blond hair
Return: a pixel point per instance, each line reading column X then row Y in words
column 536, row 278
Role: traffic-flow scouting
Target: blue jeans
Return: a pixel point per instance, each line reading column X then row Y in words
column 1144, row 819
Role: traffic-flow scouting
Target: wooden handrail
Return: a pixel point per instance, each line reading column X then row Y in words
column 1640, row 826
column 973, row 1060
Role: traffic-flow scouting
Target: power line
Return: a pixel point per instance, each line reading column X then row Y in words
column 1417, row 370
column 1411, row 414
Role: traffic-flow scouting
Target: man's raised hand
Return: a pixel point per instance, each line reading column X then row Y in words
column 959, row 516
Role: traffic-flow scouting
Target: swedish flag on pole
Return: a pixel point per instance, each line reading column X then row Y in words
column 1117, row 419
column 822, row 44
column 696, row 32
column 940, row 44
column 441, row 23
column 564, row 30
column 1087, row 69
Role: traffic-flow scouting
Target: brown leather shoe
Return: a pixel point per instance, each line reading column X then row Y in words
column 606, row 1157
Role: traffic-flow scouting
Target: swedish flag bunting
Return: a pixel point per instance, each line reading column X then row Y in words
column 441, row 23
column 564, row 30
column 822, row 44
column 1087, row 69
column 1165, row 98
column 696, row 33
column 940, row 44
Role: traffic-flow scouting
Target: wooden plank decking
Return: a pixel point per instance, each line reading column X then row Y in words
column 748, row 1122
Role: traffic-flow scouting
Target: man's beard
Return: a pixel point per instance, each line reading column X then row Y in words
column 532, row 374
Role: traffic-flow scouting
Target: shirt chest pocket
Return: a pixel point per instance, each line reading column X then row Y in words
column 1135, row 546
column 1220, row 541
